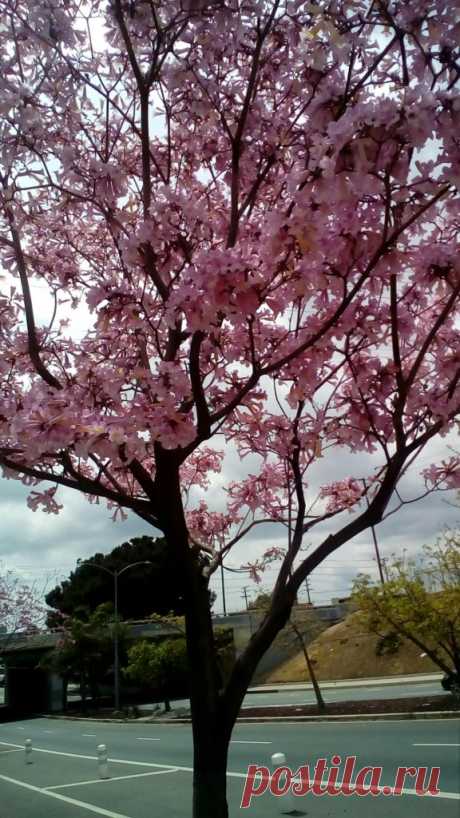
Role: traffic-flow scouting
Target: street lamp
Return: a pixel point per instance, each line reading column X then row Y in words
column 116, row 662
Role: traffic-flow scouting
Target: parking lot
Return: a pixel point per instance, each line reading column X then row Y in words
column 150, row 767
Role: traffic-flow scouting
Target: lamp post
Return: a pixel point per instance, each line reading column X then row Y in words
column 116, row 662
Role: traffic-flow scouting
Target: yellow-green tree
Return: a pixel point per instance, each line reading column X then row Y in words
column 420, row 601
column 158, row 664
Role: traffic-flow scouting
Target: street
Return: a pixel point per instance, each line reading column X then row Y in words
column 300, row 696
column 336, row 694
column 150, row 767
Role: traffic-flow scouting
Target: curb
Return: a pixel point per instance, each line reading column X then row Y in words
column 338, row 684
column 271, row 690
column 357, row 717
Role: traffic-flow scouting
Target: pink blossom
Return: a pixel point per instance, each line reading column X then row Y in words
column 342, row 494
column 45, row 499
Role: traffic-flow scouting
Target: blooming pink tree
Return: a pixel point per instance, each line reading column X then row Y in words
column 248, row 205
column 21, row 606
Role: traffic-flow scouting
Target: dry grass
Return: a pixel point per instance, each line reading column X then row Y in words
column 345, row 651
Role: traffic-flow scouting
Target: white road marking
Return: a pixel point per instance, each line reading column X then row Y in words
column 89, row 735
column 243, row 741
column 148, row 739
column 436, row 745
column 107, row 780
column 20, row 728
column 49, row 731
column 89, row 807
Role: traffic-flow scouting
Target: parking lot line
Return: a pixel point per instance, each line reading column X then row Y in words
column 108, row 780
column 83, row 804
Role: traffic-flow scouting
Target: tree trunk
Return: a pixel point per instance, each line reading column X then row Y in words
column 311, row 670
column 210, row 779
column 319, row 696
column 211, row 730
column 83, row 692
column 94, row 689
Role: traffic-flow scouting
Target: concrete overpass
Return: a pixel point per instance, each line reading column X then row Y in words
column 30, row 689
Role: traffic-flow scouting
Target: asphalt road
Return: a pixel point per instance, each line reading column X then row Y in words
column 150, row 767
column 342, row 694
column 300, row 697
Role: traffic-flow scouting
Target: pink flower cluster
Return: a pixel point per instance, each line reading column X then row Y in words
column 341, row 495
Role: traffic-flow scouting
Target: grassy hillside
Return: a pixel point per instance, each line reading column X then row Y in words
column 345, row 651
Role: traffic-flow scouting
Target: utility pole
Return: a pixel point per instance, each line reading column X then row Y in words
column 385, row 569
column 374, row 537
column 223, row 587
column 245, row 595
column 116, row 658
column 307, row 586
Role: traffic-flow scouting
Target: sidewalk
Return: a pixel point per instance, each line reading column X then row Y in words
column 412, row 678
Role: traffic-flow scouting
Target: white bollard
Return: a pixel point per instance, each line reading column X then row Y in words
column 278, row 760
column 102, row 761
column 288, row 802
column 28, row 750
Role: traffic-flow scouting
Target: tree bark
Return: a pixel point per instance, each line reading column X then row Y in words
column 211, row 733
column 83, row 692
column 210, row 726
column 311, row 670
column 210, row 777
column 319, row 696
